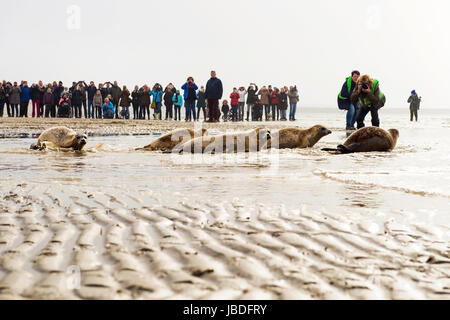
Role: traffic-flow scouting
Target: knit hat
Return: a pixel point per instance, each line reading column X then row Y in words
column 413, row 92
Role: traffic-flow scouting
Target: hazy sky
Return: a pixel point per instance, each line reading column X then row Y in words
column 313, row 44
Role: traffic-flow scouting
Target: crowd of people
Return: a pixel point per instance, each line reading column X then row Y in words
column 108, row 101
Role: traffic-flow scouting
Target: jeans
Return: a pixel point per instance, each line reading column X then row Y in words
column 204, row 112
column 225, row 116
column 283, row 113
column 214, row 112
column 157, row 111
column 90, row 109
column 98, row 111
column 351, row 116
column 363, row 111
column 234, row 113
column 292, row 111
column 177, row 112
column 241, row 110
column 142, row 111
column 14, row 109
column 135, row 110
column 266, row 111
column 190, row 109
column 2, row 106
column 169, row 111
column 77, row 109
column 275, row 111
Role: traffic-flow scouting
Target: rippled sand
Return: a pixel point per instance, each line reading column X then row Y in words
column 112, row 224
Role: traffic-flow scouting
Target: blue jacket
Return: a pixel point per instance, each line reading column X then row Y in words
column 157, row 95
column 25, row 94
column 109, row 106
column 179, row 101
column 214, row 89
column 185, row 87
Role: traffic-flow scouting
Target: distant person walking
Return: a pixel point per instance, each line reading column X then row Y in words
column 213, row 93
column 414, row 104
column 344, row 102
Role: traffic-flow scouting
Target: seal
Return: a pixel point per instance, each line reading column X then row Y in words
column 247, row 141
column 290, row 138
column 368, row 139
column 167, row 142
column 61, row 137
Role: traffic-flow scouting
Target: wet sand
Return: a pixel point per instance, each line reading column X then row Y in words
column 68, row 238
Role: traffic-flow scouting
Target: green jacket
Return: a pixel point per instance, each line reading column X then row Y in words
column 115, row 93
column 201, row 103
column 374, row 98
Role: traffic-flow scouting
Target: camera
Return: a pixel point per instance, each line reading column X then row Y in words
column 365, row 85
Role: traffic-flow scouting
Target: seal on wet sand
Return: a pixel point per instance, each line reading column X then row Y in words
column 170, row 140
column 368, row 139
column 60, row 137
column 290, row 138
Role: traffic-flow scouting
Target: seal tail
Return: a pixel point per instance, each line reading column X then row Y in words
column 340, row 149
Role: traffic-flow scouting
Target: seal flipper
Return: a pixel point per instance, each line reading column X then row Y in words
column 330, row 149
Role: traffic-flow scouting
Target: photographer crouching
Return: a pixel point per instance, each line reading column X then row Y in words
column 370, row 99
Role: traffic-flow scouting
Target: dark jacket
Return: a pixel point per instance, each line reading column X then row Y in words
column 105, row 91
column 345, row 94
column 201, row 103
column 25, row 94
column 145, row 98
column 168, row 96
column 57, row 93
column 115, row 94
column 225, row 108
column 414, row 102
column 91, row 92
column 251, row 95
column 282, row 101
column 125, row 100
column 77, row 97
column 48, row 99
column 2, row 95
column 34, row 93
column 214, row 89
column 136, row 97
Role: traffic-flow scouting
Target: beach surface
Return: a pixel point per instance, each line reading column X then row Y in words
column 113, row 223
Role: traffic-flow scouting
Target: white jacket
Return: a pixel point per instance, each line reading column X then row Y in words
column 242, row 95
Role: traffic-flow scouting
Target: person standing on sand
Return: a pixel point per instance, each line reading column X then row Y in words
column 7, row 87
column 283, row 103
column 251, row 100
column 225, row 110
column 125, row 103
column 169, row 91
column 97, row 103
column 293, row 100
column 14, row 99
column 157, row 94
column 115, row 92
column 190, row 96
column 77, row 101
column 414, row 104
column 2, row 99
column 145, row 102
column 344, row 102
column 264, row 98
column 201, row 103
column 178, row 102
column 275, row 108
column 242, row 94
column 91, row 90
column 24, row 99
column 49, row 106
column 135, row 98
column 34, row 95
column 234, row 96
column 213, row 93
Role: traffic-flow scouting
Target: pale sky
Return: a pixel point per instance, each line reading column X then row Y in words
column 313, row 44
